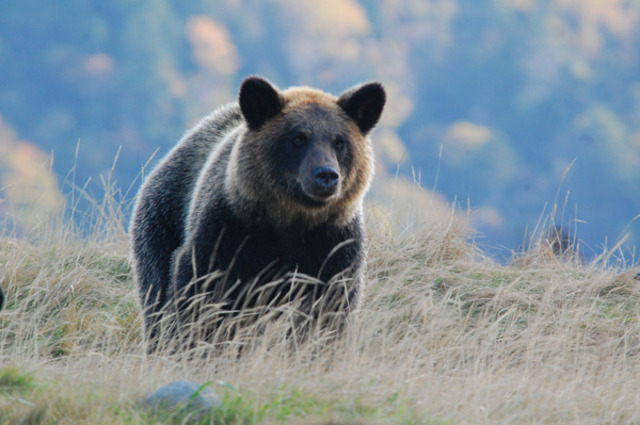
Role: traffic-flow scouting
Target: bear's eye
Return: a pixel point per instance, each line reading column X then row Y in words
column 339, row 143
column 299, row 140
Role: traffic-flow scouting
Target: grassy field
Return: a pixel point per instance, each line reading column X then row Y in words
column 445, row 336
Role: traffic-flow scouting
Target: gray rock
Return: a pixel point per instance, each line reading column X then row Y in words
column 183, row 395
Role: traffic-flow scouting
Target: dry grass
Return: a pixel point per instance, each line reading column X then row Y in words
column 445, row 336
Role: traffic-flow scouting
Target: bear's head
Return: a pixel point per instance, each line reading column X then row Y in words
column 304, row 155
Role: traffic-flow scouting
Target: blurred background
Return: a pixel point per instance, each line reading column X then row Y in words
column 502, row 107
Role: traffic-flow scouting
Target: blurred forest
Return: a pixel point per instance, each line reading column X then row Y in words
column 490, row 101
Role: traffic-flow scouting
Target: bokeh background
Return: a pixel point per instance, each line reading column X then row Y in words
column 503, row 107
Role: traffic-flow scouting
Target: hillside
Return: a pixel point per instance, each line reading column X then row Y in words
column 445, row 336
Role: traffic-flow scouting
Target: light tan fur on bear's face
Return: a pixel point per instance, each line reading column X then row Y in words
column 250, row 180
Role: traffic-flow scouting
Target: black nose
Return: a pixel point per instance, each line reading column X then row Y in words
column 327, row 177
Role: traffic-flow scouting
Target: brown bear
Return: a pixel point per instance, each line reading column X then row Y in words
column 260, row 202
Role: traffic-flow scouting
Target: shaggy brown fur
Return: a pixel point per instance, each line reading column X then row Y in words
column 249, row 180
column 258, row 192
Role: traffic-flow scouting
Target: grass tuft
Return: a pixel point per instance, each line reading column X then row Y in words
column 13, row 379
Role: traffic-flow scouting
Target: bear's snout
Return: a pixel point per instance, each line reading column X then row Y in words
column 321, row 183
column 326, row 177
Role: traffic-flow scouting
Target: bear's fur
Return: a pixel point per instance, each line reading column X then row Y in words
column 260, row 191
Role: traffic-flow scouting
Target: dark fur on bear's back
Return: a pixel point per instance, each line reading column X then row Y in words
column 157, row 227
column 261, row 189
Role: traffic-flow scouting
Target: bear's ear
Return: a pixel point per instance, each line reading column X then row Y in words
column 364, row 104
column 259, row 101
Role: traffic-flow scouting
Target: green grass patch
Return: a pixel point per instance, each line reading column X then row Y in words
column 12, row 379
